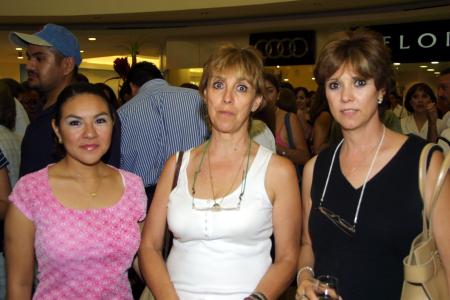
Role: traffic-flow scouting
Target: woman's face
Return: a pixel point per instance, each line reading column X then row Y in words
column 271, row 92
column 301, row 99
column 419, row 101
column 85, row 128
column 351, row 98
column 230, row 99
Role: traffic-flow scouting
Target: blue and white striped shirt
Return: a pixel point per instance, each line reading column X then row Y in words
column 159, row 121
column 3, row 160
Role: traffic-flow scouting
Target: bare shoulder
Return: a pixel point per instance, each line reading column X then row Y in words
column 280, row 166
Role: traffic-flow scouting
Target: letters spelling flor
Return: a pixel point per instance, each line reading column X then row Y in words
column 425, row 40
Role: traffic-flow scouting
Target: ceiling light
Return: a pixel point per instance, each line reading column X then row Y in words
column 430, row 70
column 278, row 67
column 423, row 66
column 286, row 79
column 19, row 57
column 19, row 49
column 434, row 62
column 396, row 64
column 92, row 39
column 313, row 78
column 437, row 73
column 81, row 51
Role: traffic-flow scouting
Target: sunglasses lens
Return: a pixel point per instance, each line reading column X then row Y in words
column 338, row 221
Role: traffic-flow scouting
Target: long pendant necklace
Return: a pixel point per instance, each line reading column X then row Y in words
column 365, row 180
column 216, row 206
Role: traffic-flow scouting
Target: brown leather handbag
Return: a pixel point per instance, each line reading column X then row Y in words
column 425, row 277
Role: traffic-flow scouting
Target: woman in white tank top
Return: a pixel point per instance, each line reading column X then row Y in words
column 231, row 196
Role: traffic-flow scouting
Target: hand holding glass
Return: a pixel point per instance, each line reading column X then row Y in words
column 327, row 287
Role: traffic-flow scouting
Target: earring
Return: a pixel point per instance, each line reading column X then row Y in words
column 60, row 140
column 380, row 100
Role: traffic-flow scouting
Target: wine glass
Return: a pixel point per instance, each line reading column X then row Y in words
column 327, row 287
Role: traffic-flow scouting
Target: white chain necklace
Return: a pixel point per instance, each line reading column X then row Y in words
column 365, row 180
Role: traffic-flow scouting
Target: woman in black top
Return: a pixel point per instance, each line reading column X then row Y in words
column 362, row 206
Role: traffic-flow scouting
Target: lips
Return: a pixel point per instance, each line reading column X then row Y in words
column 349, row 111
column 89, row 147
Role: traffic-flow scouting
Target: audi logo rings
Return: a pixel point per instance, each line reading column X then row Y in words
column 283, row 48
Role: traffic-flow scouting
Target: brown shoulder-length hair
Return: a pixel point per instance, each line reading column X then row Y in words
column 364, row 50
column 247, row 62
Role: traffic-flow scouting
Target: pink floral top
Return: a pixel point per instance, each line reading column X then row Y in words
column 82, row 254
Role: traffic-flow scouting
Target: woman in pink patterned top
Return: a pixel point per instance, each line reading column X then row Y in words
column 78, row 216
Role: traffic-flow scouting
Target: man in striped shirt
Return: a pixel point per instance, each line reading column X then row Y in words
column 158, row 121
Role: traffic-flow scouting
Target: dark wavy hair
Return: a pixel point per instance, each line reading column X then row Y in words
column 7, row 107
column 418, row 87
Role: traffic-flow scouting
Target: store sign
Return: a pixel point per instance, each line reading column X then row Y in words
column 285, row 48
column 417, row 42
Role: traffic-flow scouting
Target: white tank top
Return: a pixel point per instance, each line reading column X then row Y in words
column 220, row 255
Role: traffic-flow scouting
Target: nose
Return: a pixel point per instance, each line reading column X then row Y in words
column 90, row 131
column 347, row 93
column 228, row 95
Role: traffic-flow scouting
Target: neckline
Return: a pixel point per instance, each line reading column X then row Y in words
column 238, row 188
column 87, row 210
column 391, row 161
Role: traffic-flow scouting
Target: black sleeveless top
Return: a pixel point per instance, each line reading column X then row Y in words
column 369, row 264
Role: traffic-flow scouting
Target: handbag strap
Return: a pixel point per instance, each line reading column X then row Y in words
column 287, row 124
column 177, row 168
column 425, row 157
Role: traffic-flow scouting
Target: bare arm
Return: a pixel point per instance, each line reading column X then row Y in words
column 151, row 262
column 19, row 250
column 305, row 280
column 5, row 190
column 282, row 187
column 321, row 130
column 300, row 154
column 432, row 116
column 440, row 213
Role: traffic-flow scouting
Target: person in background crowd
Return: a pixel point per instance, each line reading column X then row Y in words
column 420, row 101
column 158, row 121
column 31, row 100
column 81, row 78
column 53, row 59
column 296, row 150
column 303, row 107
column 443, row 96
column 79, row 216
column 22, row 119
column 5, row 189
column 189, row 85
column 355, row 193
column 396, row 105
column 321, row 120
column 9, row 140
column 443, row 105
column 124, row 93
column 231, row 194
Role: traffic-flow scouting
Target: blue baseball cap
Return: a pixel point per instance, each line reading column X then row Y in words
column 51, row 35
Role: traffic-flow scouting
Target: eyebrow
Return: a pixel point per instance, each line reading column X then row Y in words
column 222, row 78
column 95, row 116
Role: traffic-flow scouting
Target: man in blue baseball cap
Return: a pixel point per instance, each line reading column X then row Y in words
column 53, row 55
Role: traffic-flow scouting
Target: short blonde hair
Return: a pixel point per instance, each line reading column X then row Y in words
column 362, row 49
column 246, row 61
